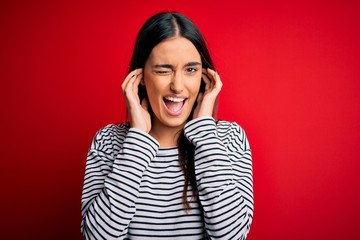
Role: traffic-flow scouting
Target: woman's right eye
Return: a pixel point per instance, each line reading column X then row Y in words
column 162, row 72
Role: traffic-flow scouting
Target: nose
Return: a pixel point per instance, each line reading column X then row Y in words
column 177, row 83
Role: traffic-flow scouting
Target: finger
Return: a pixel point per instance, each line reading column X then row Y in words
column 212, row 76
column 136, row 82
column 145, row 104
column 207, row 81
column 131, row 75
column 131, row 94
column 217, row 81
column 128, row 85
column 211, row 72
column 129, row 80
column 199, row 98
column 133, row 83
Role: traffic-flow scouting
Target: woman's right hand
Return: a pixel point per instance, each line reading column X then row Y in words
column 139, row 115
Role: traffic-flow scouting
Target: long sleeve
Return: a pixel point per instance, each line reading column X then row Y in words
column 116, row 161
column 223, row 168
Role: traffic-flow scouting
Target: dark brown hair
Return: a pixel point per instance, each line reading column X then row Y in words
column 157, row 28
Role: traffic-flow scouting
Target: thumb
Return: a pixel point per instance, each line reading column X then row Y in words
column 145, row 104
column 200, row 98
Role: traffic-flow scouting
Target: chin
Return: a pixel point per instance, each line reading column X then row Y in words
column 175, row 122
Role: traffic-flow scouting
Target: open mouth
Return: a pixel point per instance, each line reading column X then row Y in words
column 174, row 105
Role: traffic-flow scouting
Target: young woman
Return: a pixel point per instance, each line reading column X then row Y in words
column 173, row 172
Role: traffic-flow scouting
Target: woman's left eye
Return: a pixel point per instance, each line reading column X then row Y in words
column 191, row 70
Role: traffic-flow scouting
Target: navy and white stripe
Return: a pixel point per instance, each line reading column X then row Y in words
column 133, row 189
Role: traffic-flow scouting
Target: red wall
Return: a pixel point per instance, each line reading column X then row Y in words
column 291, row 79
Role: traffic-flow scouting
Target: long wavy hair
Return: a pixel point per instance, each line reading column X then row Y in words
column 156, row 29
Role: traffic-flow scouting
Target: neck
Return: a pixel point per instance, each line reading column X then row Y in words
column 166, row 136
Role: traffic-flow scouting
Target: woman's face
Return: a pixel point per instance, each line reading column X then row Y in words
column 172, row 77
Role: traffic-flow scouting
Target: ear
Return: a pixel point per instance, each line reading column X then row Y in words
column 142, row 82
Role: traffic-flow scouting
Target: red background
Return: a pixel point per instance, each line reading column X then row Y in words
column 291, row 79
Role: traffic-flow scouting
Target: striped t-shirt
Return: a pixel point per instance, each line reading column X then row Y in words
column 133, row 188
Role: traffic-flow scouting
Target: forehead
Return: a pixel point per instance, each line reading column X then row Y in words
column 174, row 50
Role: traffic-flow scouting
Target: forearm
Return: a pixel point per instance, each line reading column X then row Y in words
column 224, row 180
column 107, row 212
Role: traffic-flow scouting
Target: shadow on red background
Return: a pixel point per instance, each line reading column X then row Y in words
column 291, row 79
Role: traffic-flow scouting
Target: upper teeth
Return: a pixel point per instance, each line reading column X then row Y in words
column 174, row 99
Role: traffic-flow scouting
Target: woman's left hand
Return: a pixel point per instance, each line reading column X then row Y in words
column 206, row 100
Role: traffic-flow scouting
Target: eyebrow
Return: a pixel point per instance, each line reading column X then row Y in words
column 192, row 64
column 164, row 66
column 189, row 64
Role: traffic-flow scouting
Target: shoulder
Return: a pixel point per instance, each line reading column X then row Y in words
column 233, row 135
column 111, row 135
